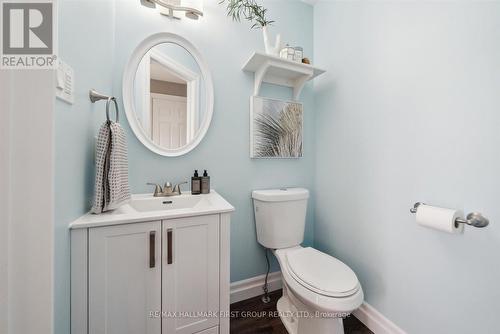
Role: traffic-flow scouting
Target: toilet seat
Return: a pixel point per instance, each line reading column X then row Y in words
column 316, row 297
column 321, row 273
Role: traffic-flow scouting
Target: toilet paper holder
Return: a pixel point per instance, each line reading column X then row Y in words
column 473, row 219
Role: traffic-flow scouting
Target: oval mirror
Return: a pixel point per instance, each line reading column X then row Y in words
column 168, row 94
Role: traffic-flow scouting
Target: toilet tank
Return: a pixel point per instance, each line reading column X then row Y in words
column 280, row 216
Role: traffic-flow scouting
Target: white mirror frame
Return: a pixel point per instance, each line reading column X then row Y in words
column 128, row 92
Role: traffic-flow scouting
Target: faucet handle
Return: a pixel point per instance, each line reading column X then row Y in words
column 158, row 189
column 177, row 187
column 167, row 188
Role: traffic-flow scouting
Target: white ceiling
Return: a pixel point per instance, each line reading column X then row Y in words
column 160, row 72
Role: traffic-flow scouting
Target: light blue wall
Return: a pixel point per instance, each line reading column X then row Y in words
column 96, row 39
column 409, row 111
column 86, row 44
column 225, row 150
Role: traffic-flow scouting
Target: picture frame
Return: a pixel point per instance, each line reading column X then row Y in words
column 276, row 128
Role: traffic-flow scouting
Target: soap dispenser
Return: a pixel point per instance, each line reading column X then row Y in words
column 205, row 183
column 196, row 184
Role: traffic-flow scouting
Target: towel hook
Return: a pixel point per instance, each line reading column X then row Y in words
column 116, row 109
column 96, row 96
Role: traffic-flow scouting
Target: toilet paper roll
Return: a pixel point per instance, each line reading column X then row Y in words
column 439, row 218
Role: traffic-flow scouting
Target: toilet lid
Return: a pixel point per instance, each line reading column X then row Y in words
column 322, row 273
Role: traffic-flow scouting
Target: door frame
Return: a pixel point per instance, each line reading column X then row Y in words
column 143, row 77
column 193, row 90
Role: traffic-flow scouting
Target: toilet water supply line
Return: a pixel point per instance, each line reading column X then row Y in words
column 266, row 299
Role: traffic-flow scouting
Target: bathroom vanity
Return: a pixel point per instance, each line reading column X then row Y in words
column 156, row 265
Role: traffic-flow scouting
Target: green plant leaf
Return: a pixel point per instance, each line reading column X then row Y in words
column 250, row 10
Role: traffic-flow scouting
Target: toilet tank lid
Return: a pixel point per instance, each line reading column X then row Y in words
column 280, row 195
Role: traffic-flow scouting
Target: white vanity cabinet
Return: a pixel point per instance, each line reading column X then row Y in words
column 124, row 271
column 190, row 279
column 164, row 276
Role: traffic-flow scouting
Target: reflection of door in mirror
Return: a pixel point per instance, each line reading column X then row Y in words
column 167, row 95
column 169, row 120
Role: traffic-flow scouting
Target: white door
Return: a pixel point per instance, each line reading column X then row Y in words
column 190, row 274
column 169, row 120
column 125, row 279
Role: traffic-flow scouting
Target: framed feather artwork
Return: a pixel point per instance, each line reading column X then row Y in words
column 276, row 128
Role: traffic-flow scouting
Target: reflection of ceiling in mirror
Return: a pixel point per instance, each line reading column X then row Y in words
column 159, row 72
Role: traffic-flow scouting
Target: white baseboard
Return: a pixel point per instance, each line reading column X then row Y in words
column 376, row 321
column 252, row 287
column 367, row 314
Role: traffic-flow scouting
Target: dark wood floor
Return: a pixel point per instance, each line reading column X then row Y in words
column 265, row 323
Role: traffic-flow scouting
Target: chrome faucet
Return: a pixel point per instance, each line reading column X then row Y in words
column 177, row 188
column 158, row 190
column 167, row 189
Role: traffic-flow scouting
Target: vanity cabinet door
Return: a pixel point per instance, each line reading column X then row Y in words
column 190, row 274
column 125, row 279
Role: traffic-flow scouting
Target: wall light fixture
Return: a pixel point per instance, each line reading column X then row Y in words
column 193, row 9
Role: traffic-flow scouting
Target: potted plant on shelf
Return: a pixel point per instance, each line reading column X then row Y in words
column 251, row 11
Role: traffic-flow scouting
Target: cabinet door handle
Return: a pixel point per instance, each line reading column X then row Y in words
column 152, row 248
column 169, row 246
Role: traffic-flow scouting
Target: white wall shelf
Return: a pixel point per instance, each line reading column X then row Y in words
column 279, row 71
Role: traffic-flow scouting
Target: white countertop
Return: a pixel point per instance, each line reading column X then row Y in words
column 212, row 203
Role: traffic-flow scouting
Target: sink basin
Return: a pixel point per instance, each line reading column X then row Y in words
column 147, row 204
column 145, row 207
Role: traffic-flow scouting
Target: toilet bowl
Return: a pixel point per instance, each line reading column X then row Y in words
column 318, row 289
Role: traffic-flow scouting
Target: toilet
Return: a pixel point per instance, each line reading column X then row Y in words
column 318, row 289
